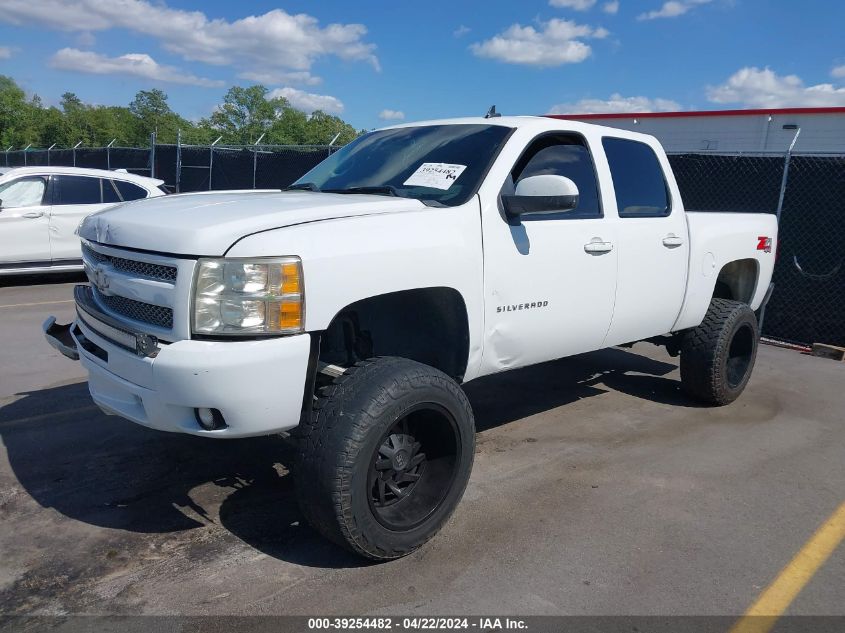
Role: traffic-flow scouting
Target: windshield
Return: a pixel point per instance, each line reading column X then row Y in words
column 440, row 164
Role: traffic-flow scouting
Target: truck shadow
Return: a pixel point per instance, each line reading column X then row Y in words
column 42, row 280
column 111, row 473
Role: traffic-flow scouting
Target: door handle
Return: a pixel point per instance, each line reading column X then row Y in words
column 596, row 246
column 33, row 214
column 672, row 241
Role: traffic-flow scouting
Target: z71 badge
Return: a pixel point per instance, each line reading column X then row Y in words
column 764, row 244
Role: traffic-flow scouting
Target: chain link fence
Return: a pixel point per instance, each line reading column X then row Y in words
column 186, row 168
column 808, row 305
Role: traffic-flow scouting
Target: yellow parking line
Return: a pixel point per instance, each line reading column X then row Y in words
column 762, row 615
column 40, row 303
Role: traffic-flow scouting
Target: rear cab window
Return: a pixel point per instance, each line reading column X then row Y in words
column 638, row 179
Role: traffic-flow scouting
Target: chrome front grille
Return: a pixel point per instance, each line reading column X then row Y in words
column 149, row 293
column 160, row 272
column 140, row 311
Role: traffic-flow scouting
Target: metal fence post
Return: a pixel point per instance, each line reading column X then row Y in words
column 178, row 158
column 152, row 155
column 24, row 153
column 255, row 157
column 786, row 160
column 211, row 160
column 48, row 153
column 108, row 154
column 74, row 152
column 7, row 154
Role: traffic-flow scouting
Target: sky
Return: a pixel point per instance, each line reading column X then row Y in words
column 377, row 62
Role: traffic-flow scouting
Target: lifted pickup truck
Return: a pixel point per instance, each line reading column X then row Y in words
column 348, row 309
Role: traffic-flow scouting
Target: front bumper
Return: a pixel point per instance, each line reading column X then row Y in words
column 258, row 386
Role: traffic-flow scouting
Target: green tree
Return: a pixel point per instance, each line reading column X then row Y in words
column 246, row 114
column 152, row 113
column 322, row 128
column 243, row 116
column 18, row 116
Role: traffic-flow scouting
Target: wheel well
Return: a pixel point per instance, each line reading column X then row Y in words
column 737, row 280
column 428, row 325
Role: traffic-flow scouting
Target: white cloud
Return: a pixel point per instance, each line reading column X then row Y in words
column 616, row 103
column 461, row 31
column 271, row 77
column 838, row 72
column 578, row 5
column 5, row 52
column 763, row 88
column 391, row 115
column 611, row 7
column 672, row 9
column 307, row 101
column 133, row 64
column 556, row 42
column 270, row 41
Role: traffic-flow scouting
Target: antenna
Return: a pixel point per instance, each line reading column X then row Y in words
column 491, row 113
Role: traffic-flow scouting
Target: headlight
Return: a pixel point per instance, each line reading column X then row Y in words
column 249, row 296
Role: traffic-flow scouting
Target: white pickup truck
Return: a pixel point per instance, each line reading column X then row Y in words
column 348, row 309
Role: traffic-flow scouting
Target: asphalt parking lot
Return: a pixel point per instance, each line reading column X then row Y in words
column 597, row 489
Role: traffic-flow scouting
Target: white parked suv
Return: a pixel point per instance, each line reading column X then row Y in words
column 348, row 310
column 40, row 208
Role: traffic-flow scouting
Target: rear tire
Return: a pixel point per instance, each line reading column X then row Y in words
column 385, row 457
column 717, row 356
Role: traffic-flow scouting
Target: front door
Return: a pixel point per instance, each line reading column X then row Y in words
column 549, row 280
column 24, row 218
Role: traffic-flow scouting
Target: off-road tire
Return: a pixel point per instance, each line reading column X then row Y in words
column 717, row 357
column 339, row 445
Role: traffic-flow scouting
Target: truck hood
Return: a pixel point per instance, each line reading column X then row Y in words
column 209, row 223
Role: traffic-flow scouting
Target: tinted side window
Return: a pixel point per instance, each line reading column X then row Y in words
column 76, row 190
column 109, row 192
column 637, row 178
column 24, row 192
column 564, row 157
column 129, row 191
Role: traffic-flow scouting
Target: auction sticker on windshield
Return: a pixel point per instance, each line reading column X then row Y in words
column 435, row 175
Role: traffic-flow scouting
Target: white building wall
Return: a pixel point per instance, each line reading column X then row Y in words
column 823, row 132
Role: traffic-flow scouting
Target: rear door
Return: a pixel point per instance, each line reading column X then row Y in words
column 653, row 242
column 24, row 218
column 75, row 197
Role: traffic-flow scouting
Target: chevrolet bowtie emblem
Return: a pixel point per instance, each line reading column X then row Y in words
column 100, row 279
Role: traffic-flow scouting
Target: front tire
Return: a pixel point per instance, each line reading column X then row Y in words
column 385, row 457
column 717, row 356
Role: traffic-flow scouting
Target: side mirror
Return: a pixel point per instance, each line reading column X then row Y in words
column 541, row 195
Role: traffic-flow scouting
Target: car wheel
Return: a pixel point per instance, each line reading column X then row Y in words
column 717, row 356
column 385, row 456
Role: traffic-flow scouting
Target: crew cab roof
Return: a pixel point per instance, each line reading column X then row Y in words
column 537, row 124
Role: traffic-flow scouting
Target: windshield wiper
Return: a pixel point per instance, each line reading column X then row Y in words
column 302, row 186
column 384, row 190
